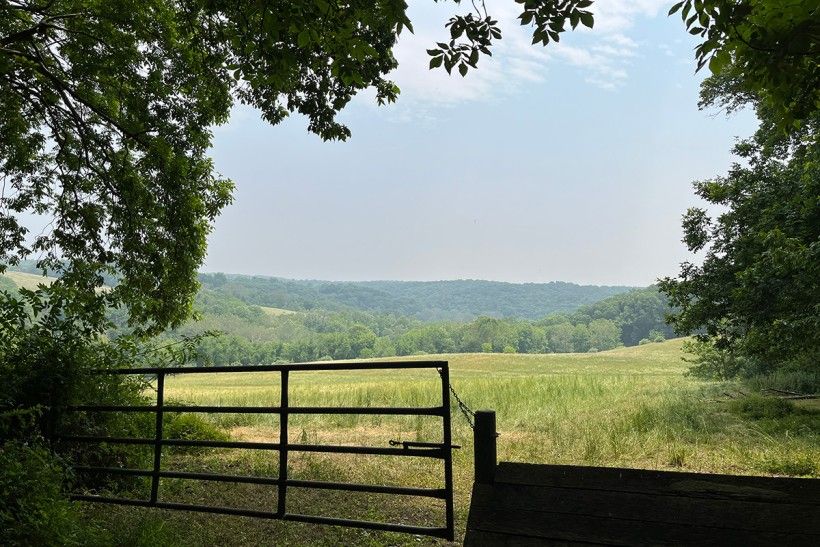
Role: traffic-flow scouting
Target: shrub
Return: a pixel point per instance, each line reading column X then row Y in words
column 711, row 363
column 796, row 381
column 33, row 508
column 656, row 336
column 190, row 427
column 758, row 407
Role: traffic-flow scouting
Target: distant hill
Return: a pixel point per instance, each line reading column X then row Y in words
column 639, row 314
column 425, row 300
column 13, row 279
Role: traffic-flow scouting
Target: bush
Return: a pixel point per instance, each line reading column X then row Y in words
column 33, row 508
column 807, row 382
column 190, row 427
column 709, row 362
column 758, row 407
column 656, row 336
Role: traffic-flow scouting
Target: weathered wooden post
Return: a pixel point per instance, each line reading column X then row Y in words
column 484, row 446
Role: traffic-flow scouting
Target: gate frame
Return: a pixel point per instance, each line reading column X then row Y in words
column 442, row 451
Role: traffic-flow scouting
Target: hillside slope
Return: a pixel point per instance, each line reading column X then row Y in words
column 425, row 300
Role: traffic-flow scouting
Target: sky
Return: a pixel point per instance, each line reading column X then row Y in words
column 572, row 162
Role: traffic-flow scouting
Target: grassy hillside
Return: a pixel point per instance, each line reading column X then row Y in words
column 27, row 280
column 275, row 312
column 628, row 407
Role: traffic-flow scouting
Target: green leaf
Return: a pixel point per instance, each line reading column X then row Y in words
column 303, row 38
column 436, row 62
column 718, row 61
column 675, row 8
column 462, row 68
column 586, row 19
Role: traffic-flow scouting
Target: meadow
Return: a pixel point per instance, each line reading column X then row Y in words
column 628, row 407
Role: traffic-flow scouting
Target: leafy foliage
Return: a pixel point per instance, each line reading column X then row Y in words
column 756, row 291
column 251, row 336
column 771, row 46
column 472, row 34
column 106, row 111
column 33, row 508
column 755, row 299
column 639, row 313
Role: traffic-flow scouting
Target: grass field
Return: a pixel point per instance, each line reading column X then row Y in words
column 629, row 407
column 276, row 312
column 27, row 280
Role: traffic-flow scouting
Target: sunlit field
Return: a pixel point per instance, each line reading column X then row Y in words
column 629, row 407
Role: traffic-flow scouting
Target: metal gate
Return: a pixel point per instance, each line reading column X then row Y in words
column 441, row 451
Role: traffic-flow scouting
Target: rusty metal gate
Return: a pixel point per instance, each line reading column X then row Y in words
column 441, row 451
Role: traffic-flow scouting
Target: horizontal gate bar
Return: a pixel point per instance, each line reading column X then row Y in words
column 438, row 493
column 407, row 411
column 248, row 479
column 368, row 525
column 432, row 452
column 370, row 488
column 278, row 368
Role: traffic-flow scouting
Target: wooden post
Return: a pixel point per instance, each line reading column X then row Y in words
column 484, row 446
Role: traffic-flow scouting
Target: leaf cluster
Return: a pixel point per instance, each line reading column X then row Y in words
column 473, row 34
column 771, row 47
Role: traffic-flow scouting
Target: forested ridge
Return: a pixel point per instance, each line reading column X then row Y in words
column 249, row 335
column 347, row 320
column 425, row 300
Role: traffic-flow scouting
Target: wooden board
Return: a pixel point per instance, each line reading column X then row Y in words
column 566, row 505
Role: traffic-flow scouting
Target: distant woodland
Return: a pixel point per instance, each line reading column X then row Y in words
column 384, row 319
column 257, row 320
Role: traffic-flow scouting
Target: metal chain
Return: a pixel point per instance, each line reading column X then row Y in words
column 469, row 415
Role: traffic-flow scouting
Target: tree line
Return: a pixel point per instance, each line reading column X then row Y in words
column 250, row 336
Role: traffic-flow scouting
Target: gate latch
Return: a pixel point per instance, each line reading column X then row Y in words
column 418, row 444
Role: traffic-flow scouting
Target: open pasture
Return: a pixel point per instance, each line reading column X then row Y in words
column 629, row 407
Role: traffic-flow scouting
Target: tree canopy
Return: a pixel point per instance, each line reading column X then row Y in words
column 106, row 110
column 771, row 47
column 755, row 297
column 757, row 290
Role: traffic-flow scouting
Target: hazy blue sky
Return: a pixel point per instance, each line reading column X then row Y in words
column 572, row 162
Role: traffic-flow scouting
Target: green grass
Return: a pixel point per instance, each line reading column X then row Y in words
column 27, row 280
column 629, row 407
column 275, row 312
column 32, row 282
